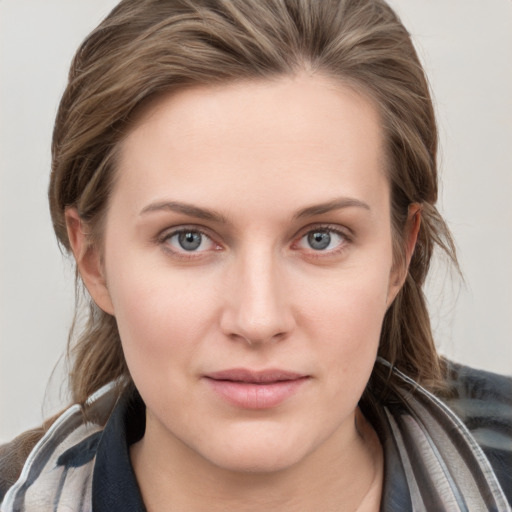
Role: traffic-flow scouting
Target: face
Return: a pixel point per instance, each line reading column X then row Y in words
column 247, row 258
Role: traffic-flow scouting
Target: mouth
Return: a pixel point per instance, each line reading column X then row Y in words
column 249, row 389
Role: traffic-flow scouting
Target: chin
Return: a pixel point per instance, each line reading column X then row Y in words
column 262, row 461
column 256, row 453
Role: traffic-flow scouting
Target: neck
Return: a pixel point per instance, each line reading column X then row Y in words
column 350, row 476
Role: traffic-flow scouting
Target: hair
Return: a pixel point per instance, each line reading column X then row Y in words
column 145, row 48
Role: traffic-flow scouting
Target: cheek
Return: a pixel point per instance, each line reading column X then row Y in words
column 350, row 303
column 346, row 320
column 162, row 315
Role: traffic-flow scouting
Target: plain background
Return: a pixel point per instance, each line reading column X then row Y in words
column 466, row 47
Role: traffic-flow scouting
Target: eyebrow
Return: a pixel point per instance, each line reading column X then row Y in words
column 186, row 209
column 212, row 215
column 334, row 204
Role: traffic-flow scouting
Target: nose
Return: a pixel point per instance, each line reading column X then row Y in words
column 257, row 306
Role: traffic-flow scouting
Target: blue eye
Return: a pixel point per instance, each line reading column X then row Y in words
column 188, row 240
column 319, row 240
column 322, row 239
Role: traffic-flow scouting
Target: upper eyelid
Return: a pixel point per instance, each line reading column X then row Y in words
column 335, row 228
column 171, row 231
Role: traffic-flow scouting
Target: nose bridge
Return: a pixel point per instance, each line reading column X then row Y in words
column 258, row 308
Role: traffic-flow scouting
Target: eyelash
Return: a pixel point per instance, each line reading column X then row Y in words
column 164, row 238
column 325, row 228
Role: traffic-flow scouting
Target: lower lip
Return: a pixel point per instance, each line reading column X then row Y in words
column 248, row 395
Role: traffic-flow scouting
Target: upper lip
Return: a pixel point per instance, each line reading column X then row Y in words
column 255, row 376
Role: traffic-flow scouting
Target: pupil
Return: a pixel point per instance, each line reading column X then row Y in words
column 319, row 240
column 189, row 240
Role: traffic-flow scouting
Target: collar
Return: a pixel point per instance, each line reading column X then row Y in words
column 114, row 486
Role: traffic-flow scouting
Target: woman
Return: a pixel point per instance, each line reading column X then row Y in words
column 249, row 192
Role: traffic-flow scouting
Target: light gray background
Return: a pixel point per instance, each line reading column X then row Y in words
column 466, row 46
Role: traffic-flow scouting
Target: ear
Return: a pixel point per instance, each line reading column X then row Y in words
column 412, row 228
column 88, row 261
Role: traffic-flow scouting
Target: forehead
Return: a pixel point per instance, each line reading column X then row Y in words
column 252, row 137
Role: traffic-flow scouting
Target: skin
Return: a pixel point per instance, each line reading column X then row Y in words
column 255, row 294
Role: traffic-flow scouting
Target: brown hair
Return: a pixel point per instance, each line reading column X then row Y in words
column 148, row 47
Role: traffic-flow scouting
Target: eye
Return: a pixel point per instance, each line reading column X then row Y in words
column 188, row 240
column 319, row 240
column 323, row 239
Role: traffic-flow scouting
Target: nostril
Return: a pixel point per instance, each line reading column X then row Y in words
column 256, row 341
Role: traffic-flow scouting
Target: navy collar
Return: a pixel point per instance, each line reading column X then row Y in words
column 114, row 486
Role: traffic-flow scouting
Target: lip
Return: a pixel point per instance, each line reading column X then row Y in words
column 248, row 389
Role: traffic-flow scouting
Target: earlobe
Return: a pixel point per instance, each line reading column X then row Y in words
column 88, row 261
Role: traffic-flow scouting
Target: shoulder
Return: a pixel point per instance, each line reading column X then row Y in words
column 13, row 456
column 466, row 382
column 483, row 401
column 32, row 476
